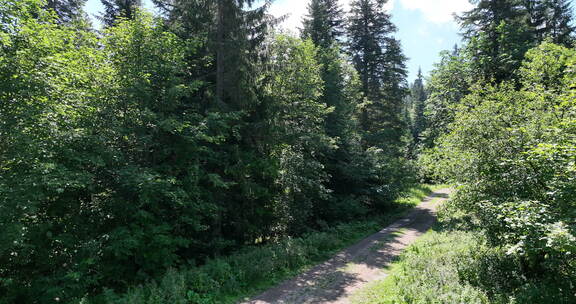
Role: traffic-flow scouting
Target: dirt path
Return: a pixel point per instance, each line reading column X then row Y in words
column 335, row 280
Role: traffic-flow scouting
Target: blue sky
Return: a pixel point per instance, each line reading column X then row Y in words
column 425, row 27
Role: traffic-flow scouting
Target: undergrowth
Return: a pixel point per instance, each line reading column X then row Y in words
column 256, row 268
column 453, row 263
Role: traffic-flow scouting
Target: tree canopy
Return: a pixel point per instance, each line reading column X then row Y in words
column 156, row 145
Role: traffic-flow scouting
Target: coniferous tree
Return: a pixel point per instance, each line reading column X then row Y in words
column 67, row 10
column 240, row 31
column 324, row 23
column 230, row 60
column 418, row 98
column 394, row 81
column 449, row 82
column 234, row 32
column 378, row 58
column 551, row 19
column 498, row 37
column 114, row 9
column 324, row 26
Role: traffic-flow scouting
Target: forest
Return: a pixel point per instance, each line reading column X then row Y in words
column 202, row 154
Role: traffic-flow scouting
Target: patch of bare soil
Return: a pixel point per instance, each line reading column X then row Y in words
column 335, row 280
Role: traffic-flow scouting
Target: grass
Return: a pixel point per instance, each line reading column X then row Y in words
column 257, row 268
column 416, row 194
column 427, row 272
column 453, row 263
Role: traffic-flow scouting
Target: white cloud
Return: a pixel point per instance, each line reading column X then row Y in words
column 293, row 12
column 438, row 11
column 297, row 9
column 423, row 31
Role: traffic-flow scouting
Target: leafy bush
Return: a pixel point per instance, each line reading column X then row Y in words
column 513, row 152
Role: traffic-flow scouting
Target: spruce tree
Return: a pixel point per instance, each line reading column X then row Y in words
column 324, row 23
column 324, row 26
column 114, row 9
column 230, row 57
column 378, row 58
column 67, row 10
column 498, row 37
column 551, row 19
column 240, row 31
column 418, row 98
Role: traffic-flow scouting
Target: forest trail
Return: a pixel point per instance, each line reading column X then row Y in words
column 335, row 280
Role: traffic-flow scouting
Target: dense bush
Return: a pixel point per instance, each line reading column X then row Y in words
column 87, row 195
column 428, row 273
column 224, row 279
column 513, row 151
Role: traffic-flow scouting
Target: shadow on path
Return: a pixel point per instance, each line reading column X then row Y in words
column 366, row 261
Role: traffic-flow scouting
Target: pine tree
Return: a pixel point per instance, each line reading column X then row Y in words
column 324, row 23
column 498, row 37
column 378, row 58
column 551, row 19
column 67, row 10
column 114, row 9
column 418, row 98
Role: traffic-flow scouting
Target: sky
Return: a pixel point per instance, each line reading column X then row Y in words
column 425, row 27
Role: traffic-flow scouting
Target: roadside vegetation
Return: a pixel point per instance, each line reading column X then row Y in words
column 200, row 139
column 256, row 268
column 455, row 263
column 501, row 126
column 508, row 234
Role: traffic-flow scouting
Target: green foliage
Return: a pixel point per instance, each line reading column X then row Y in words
column 551, row 19
column 498, row 37
column 513, row 152
column 84, row 217
column 455, row 264
column 500, row 32
column 449, row 82
column 428, row 272
column 324, row 23
column 501, row 125
column 415, row 105
column 378, row 58
column 45, row 106
column 162, row 144
column 67, row 10
column 225, row 280
column 116, row 9
column 297, row 126
column 255, row 268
